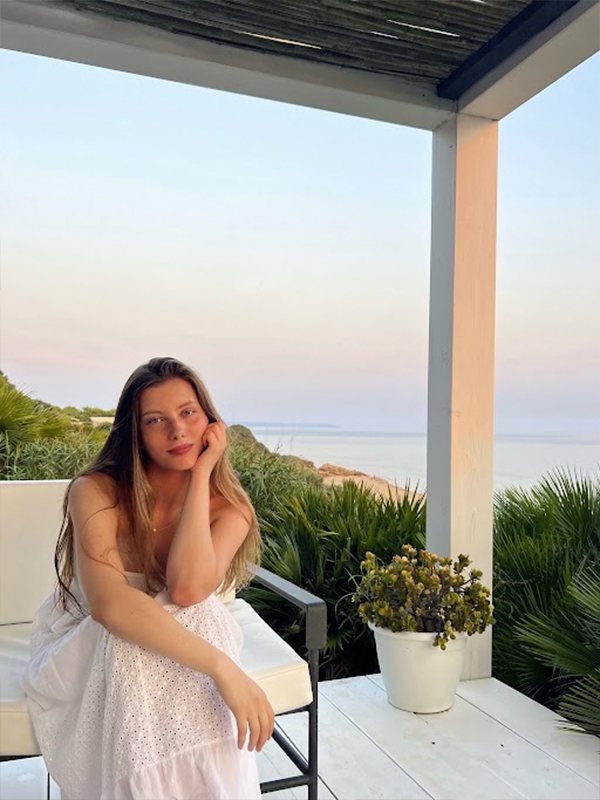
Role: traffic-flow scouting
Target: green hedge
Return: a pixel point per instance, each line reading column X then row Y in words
column 267, row 477
column 546, row 580
column 316, row 537
column 546, row 639
column 51, row 459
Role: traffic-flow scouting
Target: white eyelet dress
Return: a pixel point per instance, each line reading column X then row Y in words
column 115, row 721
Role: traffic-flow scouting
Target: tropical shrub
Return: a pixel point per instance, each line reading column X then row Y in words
column 267, row 477
column 546, row 553
column 569, row 643
column 52, row 459
column 317, row 537
column 87, row 412
column 547, row 594
column 24, row 419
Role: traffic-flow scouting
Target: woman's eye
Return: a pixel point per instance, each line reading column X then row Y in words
column 188, row 412
column 154, row 420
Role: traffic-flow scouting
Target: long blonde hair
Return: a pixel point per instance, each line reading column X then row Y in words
column 124, row 461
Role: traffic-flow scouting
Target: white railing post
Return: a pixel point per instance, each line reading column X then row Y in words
column 460, row 434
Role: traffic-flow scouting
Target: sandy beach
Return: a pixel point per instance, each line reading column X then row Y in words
column 333, row 474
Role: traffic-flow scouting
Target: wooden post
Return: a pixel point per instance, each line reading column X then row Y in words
column 460, row 434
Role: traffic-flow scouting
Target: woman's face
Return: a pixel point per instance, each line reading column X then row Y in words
column 172, row 423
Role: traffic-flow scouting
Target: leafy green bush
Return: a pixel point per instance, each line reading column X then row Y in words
column 569, row 643
column 546, row 553
column 267, row 477
column 24, row 419
column 317, row 537
column 87, row 412
column 547, row 594
column 51, row 459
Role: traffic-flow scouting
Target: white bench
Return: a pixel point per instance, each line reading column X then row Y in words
column 30, row 519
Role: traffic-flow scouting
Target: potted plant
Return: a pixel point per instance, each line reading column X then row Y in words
column 421, row 608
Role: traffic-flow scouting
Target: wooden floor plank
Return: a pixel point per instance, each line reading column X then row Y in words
column 271, row 767
column 440, row 764
column 350, row 763
column 535, row 723
column 494, row 744
column 536, row 774
column 280, row 766
column 23, row 779
column 520, row 763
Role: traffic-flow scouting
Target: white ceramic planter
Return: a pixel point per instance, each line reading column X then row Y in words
column 418, row 676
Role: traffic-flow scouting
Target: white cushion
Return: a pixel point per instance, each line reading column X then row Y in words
column 16, row 733
column 228, row 596
column 271, row 662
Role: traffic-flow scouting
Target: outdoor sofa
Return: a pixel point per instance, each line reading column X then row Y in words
column 30, row 519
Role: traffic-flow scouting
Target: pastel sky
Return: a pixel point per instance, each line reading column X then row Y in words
column 282, row 251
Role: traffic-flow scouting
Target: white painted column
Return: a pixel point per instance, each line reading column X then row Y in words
column 460, row 434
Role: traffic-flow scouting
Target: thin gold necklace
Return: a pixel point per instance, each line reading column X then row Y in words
column 168, row 525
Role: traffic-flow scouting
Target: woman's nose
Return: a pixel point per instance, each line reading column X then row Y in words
column 176, row 430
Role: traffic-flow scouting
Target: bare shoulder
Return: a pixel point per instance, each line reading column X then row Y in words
column 92, row 493
column 95, row 517
column 223, row 509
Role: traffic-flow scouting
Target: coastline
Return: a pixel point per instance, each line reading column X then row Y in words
column 379, row 460
column 332, row 474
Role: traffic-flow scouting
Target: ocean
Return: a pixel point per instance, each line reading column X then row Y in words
column 400, row 457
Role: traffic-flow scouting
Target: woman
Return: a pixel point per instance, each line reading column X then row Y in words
column 134, row 684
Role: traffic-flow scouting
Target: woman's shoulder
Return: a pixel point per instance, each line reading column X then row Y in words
column 93, row 489
column 221, row 506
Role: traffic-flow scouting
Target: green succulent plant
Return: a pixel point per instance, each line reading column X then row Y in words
column 420, row 592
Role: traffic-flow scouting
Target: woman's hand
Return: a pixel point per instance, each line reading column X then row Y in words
column 214, row 442
column 252, row 711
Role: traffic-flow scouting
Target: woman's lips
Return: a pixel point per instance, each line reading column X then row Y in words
column 180, row 451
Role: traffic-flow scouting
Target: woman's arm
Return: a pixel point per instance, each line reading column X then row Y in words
column 200, row 554
column 127, row 612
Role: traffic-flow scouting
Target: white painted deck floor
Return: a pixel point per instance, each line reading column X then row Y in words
column 493, row 744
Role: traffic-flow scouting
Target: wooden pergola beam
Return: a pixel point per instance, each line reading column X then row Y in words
column 64, row 34
column 567, row 42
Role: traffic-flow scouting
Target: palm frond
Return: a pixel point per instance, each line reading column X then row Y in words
column 23, row 419
column 581, row 705
column 317, row 536
column 547, row 586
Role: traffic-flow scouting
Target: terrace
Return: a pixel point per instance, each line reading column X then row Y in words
column 493, row 744
column 455, row 68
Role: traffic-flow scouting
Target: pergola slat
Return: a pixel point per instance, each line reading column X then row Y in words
column 330, row 36
column 364, row 30
column 368, row 18
column 407, row 64
column 431, row 11
column 419, row 41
